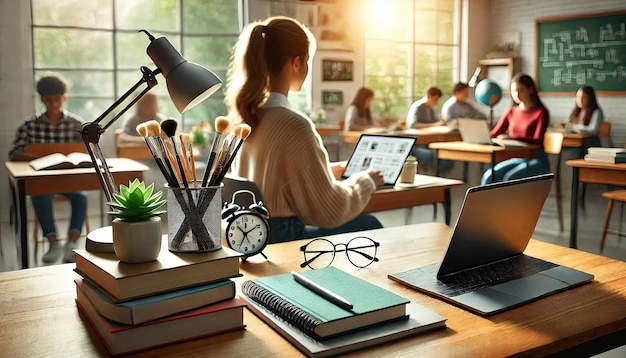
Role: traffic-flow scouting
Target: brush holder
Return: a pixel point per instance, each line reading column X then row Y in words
column 194, row 218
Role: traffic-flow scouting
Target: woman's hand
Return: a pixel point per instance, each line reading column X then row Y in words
column 377, row 177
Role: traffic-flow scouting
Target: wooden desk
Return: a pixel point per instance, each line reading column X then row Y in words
column 40, row 317
column 437, row 191
column 331, row 130
column 27, row 181
column 480, row 153
column 577, row 140
column 589, row 172
column 131, row 151
column 424, row 136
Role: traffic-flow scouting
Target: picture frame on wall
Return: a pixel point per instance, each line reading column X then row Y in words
column 337, row 70
column 332, row 97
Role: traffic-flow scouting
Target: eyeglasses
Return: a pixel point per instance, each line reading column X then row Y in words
column 319, row 253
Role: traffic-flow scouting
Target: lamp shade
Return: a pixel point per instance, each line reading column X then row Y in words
column 188, row 83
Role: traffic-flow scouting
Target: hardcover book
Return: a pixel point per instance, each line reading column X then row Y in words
column 315, row 315
column 169, row 272
column 158, row 306
column 202, row 322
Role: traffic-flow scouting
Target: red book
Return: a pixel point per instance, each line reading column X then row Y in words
column 202, row 322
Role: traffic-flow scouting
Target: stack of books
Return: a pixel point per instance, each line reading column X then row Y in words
column 320, row 326
column 178, row 297
column 606, row 155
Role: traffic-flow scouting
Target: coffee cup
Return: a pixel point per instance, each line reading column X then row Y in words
column 409, row 169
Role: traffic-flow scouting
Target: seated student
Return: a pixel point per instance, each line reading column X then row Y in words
column 146, row 109
column 422, row 115
column 586, row 117
column 55, row 125
column 458, row 107
column 526, row 121
column 358, row 115
column 284, row 155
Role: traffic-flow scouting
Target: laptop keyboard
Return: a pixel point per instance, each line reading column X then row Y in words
column 488, row 275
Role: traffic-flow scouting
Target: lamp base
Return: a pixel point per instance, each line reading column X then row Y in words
column 100, row 240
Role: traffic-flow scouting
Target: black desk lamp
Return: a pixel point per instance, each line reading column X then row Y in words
column 188, row 85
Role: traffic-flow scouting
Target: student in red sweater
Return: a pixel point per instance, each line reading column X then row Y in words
column 526, row 121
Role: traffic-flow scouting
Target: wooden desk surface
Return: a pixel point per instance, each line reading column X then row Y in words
column 480, row 153
column 40, row 317
column 424, row 136
column 599, row 173
column 396, row 198
column 327, row 129
column 61, row 180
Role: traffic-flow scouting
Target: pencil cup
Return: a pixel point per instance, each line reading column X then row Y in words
column 407, row 175
column 194, row 219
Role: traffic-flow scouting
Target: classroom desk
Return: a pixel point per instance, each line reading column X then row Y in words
column 27, row 181
column 435, row 190
column 424, row 136
column 577, row 140
column 40, row 317
column 480, row 153
column 589, row 172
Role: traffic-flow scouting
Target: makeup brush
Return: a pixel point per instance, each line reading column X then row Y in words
column 142, row 129
column 186, row 143
column 221, row 126
column 154, row 135
column 169, row 128
column 242, row 133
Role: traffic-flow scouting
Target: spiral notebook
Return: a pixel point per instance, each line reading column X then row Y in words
column 299, row 315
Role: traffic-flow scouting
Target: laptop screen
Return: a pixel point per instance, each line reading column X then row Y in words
column 496, row 222
column 380, row 152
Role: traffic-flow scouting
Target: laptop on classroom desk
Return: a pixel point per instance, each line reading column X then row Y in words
column 477, row 131
column 484, row 269
column 380, row 152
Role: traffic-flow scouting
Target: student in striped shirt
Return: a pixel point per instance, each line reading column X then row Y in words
column 54, row 125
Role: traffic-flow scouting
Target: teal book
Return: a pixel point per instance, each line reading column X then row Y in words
column 318, row 317
column 150, row 308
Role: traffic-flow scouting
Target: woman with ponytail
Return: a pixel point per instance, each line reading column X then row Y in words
column 284, row 155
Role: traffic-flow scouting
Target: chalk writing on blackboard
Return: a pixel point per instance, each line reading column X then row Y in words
column 588, row 51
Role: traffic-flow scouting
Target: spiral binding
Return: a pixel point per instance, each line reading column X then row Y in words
column 292, row 314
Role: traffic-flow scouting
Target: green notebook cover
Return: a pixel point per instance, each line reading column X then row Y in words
column 315, row 315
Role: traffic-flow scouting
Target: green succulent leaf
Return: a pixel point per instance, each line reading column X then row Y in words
column 136, row 202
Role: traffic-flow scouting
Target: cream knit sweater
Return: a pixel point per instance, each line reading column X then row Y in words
column 285, row 157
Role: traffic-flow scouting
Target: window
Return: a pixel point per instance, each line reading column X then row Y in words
column 96, row 46
column 409, row 45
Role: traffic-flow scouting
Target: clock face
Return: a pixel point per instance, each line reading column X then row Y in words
column 247, row 233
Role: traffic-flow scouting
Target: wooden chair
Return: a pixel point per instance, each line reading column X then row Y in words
column 553, row 144
column 139, row 151
column 613, row 196
column 41, row 149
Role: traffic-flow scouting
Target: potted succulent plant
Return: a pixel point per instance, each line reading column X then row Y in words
column 137, row 231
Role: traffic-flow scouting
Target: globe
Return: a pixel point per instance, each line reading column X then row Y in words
column 488, row 93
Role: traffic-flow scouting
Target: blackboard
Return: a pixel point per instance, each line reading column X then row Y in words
column 582, row 50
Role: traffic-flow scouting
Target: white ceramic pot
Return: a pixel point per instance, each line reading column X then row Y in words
column 139, row 241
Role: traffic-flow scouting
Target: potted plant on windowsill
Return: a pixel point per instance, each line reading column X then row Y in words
column 137, row 231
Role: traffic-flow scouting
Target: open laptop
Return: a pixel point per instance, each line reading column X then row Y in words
column 484, row 269
column 380, row 152
column 477, row 131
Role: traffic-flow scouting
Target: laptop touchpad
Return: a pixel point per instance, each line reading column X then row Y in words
column 530, row 287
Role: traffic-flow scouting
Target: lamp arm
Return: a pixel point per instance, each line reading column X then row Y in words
column 91, row 131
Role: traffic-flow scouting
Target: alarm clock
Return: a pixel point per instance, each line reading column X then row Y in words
column 245, row 230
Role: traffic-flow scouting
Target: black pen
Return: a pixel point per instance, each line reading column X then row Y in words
column 322, row 291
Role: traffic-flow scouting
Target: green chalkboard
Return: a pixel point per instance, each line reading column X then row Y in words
column 581, row 50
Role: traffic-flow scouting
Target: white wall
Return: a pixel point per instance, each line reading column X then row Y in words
column 508, row 17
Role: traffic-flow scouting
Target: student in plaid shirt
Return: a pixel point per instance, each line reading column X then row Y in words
column 55, row 125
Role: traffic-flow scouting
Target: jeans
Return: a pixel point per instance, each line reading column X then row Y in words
column 517, row 168
column 42, row 204
column 291, row 228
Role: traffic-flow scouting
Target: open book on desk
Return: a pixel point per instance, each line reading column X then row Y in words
column 62, row 161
